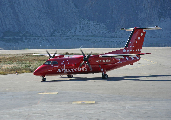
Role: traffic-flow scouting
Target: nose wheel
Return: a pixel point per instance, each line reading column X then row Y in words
column 43, row 78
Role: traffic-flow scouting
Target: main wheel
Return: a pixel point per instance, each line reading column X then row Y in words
column 104, row 76
column 70, row 76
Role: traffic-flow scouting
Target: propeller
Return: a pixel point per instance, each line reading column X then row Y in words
column 85, row 59
column 50, row 54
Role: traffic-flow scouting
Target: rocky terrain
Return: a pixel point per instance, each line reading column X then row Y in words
column 26, row 24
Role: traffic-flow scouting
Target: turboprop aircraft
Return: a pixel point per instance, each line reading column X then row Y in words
column 84, row 64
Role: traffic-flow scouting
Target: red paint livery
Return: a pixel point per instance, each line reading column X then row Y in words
column 83, row 64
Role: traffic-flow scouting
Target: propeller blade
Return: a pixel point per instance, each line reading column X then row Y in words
column 81, row 64
column 89, row 55
column 82, row 53
column 54, row 54
column 89, row 66
column 49, row 54
column 85, row 59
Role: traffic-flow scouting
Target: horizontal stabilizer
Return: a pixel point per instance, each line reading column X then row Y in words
column 147, row 28
column 143, row 53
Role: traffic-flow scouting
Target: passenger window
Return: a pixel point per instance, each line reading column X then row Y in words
column 51, row 63
column 54, row 62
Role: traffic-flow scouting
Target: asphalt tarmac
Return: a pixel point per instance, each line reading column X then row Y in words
column 139, row 91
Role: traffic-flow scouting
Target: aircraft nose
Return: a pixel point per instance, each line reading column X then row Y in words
column 35, row 72
column 39, row 71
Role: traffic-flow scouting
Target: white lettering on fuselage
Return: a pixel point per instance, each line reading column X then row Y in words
column 72, row 70
column 103, row 60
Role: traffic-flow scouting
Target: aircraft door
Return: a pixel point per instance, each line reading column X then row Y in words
column 63, row 67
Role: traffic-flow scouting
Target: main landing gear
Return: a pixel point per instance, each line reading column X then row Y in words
column 43, row 78
column 70, row 76
column 104, row 76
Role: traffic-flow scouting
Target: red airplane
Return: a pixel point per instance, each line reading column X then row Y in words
column 84, row 64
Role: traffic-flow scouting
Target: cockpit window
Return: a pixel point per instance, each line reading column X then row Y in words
column 51, row 63
column 47, row 62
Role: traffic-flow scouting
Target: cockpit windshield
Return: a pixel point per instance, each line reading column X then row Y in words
column 51, row 63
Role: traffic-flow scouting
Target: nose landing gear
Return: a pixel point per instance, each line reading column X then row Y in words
column 43, row 78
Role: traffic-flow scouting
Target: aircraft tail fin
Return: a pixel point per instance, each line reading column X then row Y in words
column 135, row 41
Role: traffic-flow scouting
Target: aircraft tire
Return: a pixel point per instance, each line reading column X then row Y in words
column 105, row 76
column 70, row 76
column 43, row 79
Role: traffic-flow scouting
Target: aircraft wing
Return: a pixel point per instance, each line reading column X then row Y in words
column 45, row 54
column 58, row 55
column 121, row 55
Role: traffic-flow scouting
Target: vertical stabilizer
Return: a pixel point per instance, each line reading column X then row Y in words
column 135, row 41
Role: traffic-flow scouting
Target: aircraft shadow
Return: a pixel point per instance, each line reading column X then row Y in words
column 133, row 78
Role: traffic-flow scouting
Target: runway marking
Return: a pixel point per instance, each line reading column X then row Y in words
column 46, row 93
column 40, row 98
column 83, row 102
